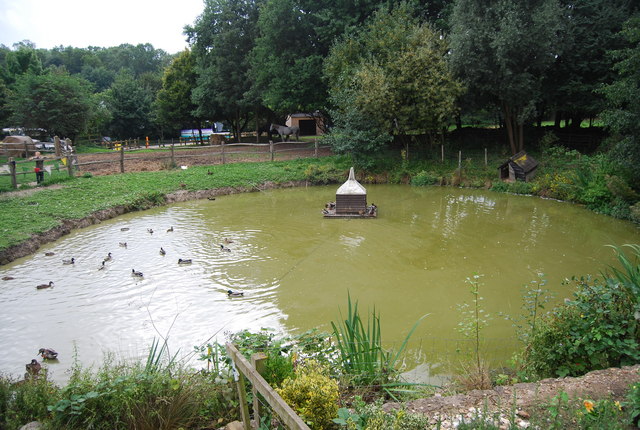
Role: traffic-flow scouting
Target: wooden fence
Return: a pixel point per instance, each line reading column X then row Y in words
column 125, row 153
column 251, row 373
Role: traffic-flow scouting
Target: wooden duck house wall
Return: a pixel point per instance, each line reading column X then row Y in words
column 351, row 203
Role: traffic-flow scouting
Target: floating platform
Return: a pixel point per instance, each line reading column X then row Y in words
column 329, row 211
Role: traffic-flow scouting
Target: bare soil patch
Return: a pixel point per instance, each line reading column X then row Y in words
column 610, row 383
column 137, row 161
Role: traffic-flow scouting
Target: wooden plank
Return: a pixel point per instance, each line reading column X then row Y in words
column 284, row 411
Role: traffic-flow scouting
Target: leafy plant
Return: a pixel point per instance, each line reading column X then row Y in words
column 312, row 394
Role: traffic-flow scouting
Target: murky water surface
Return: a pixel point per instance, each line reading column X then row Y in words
column 295, row 269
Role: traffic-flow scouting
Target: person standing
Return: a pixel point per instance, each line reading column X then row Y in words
column 39, row 169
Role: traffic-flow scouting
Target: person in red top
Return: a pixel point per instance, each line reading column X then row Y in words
column 39, row 169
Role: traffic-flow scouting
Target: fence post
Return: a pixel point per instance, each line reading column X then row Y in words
column 70, row 163
column 12, row 169
column 459, row 160
column 56, row 145
column 442, row 152
column 222, row 151
column 271, row 149
column 485, row 158
column 242, row 396
column 258, row 360
column 173, row 157
column 315, row 148
column 121, row 159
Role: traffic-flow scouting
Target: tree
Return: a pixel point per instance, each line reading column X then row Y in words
column 130, row 105
column 54, row 101
column 390, row 76
column 590, row 28
column 501, row 49
column 622, row 116
column 222, row 39
column 175, row 106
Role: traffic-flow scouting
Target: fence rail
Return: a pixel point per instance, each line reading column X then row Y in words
column 123, row 155
column 279, row 406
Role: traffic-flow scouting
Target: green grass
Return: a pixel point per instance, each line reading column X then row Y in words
column 22, row 216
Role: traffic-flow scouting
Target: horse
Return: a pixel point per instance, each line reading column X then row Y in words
column 285, row 131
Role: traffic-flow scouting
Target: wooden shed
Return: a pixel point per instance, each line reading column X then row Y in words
column 351, row 201
column 520, row 167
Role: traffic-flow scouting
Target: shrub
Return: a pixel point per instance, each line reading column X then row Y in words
column 25, row 401
column 423, row 178
column 312, row 394
column 596, row 330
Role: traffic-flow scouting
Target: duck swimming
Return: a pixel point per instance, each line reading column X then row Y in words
column 70, row 261
column 124, row 229
column 170, row 229
column 186, row 261
column 162, row 251
column 226, row 240
column 224, row 248
column 48, row 354
column 43, row 286
column 134, row 272
column 7, row 278
column 108, row 257
column 150, row 230
column 49, row 254
column 123, row 244
column 234, row 293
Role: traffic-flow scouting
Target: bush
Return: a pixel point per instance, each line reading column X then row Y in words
column 596, row 330
column 25, row 401
column 313, row 395
column 425, row 178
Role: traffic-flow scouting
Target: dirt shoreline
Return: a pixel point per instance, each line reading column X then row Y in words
column 66, row 226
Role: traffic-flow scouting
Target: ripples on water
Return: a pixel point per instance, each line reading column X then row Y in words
column 295, row 268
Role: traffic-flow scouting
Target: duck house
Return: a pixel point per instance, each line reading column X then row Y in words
column 520, row 167
column 351, row 201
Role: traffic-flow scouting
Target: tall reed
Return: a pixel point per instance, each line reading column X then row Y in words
column 361, row 352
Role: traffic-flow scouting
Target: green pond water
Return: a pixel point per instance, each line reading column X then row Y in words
column 296, row 269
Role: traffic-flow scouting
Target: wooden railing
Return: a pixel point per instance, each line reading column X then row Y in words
column 250, row 372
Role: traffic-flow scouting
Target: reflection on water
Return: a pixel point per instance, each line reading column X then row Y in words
column 295, row 269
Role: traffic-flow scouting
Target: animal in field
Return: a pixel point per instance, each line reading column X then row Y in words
column 285, row 131
column 48, row 353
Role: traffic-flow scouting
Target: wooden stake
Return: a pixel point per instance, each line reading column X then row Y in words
column 12, row 169
column 258, row 360
column 121, row 158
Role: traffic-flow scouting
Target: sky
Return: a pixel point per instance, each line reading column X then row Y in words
column 103, row 23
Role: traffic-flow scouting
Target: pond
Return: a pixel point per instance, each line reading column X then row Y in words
column 296, row 269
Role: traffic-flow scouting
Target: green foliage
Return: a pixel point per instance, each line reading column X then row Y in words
column 632, row 403
column 312, row 394
column 25, row 401
column 423, row 178
column 596, row 330
column 323, row 174
column 605, row 414
column 374, row 88
column 361, row 353
column 175, row 107
column 130, row 102
column 534, row 299
column 55, row 101
column 371, row 416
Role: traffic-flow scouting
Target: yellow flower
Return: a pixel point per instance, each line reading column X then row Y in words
column 588, row 405
column 617, row 403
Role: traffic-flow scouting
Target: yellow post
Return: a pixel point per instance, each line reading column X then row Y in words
column 146, row 142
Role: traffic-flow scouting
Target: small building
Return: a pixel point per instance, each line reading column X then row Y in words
column 310, row 124
column 520, row 167
column 351, row 201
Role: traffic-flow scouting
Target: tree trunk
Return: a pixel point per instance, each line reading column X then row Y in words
column 509, row 120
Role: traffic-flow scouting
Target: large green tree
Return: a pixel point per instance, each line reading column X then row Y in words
column 130, row 105
column 176, row 109
column 502, row 49
column 622, row 116
column 391, row 76
column 221, row 40
column 55, row 101
column 590, row 28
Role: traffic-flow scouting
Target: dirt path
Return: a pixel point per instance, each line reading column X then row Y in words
column 600, row 384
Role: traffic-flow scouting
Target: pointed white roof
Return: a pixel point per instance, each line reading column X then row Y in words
column 351, row 187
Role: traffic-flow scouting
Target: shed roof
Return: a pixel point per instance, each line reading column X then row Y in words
column 352, row 186
column 523, row 160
